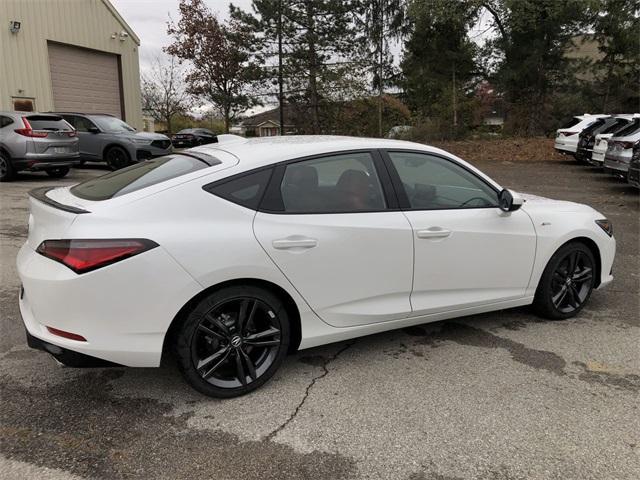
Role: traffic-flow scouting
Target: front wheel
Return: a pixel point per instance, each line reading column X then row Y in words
column 233, row 341
column 58, row 172
column 117, row 158
column 567, row 282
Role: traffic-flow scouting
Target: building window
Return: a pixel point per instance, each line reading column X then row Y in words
column 24, row 104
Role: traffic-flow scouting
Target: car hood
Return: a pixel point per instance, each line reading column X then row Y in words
column 534, row 203
column 143, row 135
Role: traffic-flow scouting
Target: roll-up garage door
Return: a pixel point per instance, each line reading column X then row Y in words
column 84, row 80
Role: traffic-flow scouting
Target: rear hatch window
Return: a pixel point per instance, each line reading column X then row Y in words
column 48, row 123
column 142, row 175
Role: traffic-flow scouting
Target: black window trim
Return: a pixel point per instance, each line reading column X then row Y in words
column 272, row 202
column 7, row 119
column 403, row 199
column 210, row 187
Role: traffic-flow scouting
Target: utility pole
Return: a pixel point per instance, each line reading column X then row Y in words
column 380, row 69
column 454, row 99
column 280, row 87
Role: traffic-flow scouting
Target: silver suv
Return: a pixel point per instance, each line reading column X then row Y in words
column 36, row 141
column 105, row 138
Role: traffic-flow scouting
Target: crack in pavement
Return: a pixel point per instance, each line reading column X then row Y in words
column 325, row 372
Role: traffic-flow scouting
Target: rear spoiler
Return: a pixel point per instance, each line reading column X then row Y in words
column 40, row 194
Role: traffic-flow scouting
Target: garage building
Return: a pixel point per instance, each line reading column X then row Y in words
column 71, row 55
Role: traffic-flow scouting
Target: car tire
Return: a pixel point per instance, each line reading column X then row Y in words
column 232, row 341
column 117, row 158
column 566, row 283
column 6, row 168
column 58, row 172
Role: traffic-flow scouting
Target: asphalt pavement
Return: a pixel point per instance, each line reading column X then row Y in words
column 499, row 396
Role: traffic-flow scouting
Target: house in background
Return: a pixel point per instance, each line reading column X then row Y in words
column 72, row 55
column 265, row 124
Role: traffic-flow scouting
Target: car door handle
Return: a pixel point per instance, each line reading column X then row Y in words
column 294, row 242
column 433, row 232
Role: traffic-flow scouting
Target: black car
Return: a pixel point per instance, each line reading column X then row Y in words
column 587, row 138
column 192, row 137
column 634, row 166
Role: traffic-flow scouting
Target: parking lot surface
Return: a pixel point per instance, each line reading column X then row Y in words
column 497, row 396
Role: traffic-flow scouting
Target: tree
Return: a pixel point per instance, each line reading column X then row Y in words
column 616, row 26
column 221, row 70
column 378, row 21
column 438, row 65
column 533, row 68
column 311, row 41
column 163, row 91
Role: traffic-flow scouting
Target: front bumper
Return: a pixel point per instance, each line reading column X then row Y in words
column 146, row 152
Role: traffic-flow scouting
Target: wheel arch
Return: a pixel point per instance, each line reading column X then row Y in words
column 593, row 247
column 281, row 293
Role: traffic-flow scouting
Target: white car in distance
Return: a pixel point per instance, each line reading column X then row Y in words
column 567, row 137
column 233, row 254
column 620, row 149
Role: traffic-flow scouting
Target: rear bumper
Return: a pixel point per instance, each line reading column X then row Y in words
column 616, row 165
column 565, row 148
column 43, row 163
column 66, row 356
column 122, row 310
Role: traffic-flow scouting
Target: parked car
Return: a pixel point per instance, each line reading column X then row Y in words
column 567, row 136
column 620, row 149
column 634, row 166
column 601, row 142
column 231, row 255
column 36, row 142
column 105, row 138
column 192, row 137
column 605, row 125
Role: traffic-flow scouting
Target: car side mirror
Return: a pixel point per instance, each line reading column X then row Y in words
column 93, row 130
column 509, row 201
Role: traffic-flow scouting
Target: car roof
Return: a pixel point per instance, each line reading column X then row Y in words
column 261, row 151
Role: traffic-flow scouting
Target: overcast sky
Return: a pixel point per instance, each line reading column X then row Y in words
column 148, row 18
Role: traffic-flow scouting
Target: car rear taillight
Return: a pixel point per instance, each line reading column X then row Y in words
column 626, row 145
column 567, row 134
column 27, row 131
column 82, row 256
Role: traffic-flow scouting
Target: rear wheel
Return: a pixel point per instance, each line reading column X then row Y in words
column 567, row 282
column 57, row 172
column 117, row 158
column 233, row 341
column 6, row 168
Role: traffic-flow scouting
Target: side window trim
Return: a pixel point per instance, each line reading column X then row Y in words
column 272, row 199
column 403, row 199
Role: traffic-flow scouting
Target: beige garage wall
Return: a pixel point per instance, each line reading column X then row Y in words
column 24, row 59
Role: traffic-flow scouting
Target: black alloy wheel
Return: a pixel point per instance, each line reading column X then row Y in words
column 117, row 158
column 567, row 282
column 233, row 341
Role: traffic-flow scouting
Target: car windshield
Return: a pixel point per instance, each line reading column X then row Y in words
column 112, row 124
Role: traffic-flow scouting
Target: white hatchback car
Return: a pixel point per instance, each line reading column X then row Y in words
column 233, row 254
column 567, row 137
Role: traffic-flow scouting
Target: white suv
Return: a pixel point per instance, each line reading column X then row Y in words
column 567, row 136
column 602, row 140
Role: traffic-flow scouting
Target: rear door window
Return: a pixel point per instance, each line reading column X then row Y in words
column 140, row 176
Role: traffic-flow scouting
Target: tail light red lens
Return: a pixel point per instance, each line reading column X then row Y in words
column 82, row 256
column 27, row 131
column 626, row 145
column 567, row 134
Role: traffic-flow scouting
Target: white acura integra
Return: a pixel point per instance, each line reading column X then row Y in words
column 231, row 255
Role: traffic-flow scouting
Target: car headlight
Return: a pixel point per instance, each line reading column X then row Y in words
column 140, row 141
column 605, row 225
